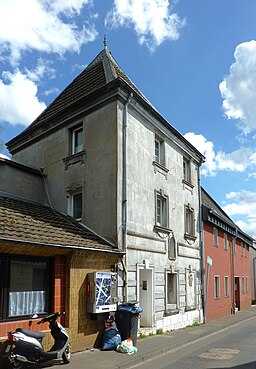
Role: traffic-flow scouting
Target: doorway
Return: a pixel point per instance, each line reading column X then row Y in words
column 145, row 295
column 237, row 293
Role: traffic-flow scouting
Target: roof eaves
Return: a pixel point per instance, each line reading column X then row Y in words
column 69, row 247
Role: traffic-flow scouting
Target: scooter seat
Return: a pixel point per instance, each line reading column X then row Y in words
column 37, row 335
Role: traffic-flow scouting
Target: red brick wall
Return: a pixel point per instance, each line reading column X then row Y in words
column 59, row 283
column 222, row 267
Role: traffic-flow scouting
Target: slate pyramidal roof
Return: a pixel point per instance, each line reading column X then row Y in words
column 28, row 222
column 101, row 72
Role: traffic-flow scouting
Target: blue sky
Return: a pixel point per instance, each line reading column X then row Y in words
column 194, row 60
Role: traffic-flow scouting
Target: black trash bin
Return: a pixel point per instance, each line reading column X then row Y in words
column 127, row 316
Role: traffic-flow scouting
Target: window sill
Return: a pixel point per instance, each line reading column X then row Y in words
column 160, row 168
column 190, row 237
column 169, row 312
column 73, row 159
column 187, row 185
column 161, row 229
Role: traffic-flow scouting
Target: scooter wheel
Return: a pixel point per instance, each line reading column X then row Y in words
column 15, row 365
column 66, row 356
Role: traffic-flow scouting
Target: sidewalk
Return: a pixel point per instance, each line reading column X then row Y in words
column 156, row 345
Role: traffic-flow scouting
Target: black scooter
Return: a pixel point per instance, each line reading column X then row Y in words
column 24, row 348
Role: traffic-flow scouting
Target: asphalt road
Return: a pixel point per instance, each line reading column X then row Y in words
column 233, row 348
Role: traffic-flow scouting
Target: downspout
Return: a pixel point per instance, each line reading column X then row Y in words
column 233, row 310
column 201, row 240
column 124, row 195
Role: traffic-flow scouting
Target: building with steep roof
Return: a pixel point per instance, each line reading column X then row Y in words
column 227, row 272
column 113, row 163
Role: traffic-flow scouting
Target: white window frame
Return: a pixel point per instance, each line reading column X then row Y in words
column 243, row 286
column 71, row 203
column 75, row 149
column 186, row 170
column 217, row 287
column 172, row 302
column 225, row 242
column 161, row 209
column 159, row 151
column 226, row 286
column 215, row 237
column 189, row 221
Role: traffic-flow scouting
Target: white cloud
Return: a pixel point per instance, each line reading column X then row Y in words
column 238, row 160
column 243, row 204
column 42, row 68
column 238, row 88
column 2, row 156
column 52, row 91
column 39, row 25
column 151, row 19
column 18, row 100
column 206, row 148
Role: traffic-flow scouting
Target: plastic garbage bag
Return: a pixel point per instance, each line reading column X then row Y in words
column 126, row 347
column 111, row 339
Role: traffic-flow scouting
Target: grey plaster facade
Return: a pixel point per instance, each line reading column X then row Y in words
column 125, row 192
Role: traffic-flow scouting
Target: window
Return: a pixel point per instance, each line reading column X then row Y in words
column 159, row 151
column 171, row 291
column 246, row 284
column 77, row 140
column 161, row 209
column 186, row 170
column 189, row 221
column 27, row 280
column 226, row 286
column 225, row 241
column 171, row 248
column 243, row 289
column 242, row 248
column 215, row 237
column 216, row 287
column 75, row 205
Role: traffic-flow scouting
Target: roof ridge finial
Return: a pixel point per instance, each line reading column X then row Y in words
column 105, row 42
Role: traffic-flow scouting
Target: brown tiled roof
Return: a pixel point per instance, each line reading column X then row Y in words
column 102, row 70
column 39, row 224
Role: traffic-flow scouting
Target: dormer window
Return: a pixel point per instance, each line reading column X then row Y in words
column 77, row 143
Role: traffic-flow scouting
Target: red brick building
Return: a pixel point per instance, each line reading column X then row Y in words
column 227, row 286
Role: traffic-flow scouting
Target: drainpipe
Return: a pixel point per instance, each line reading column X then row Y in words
column 201, row 240
column 233, row 310
column 124, row 195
